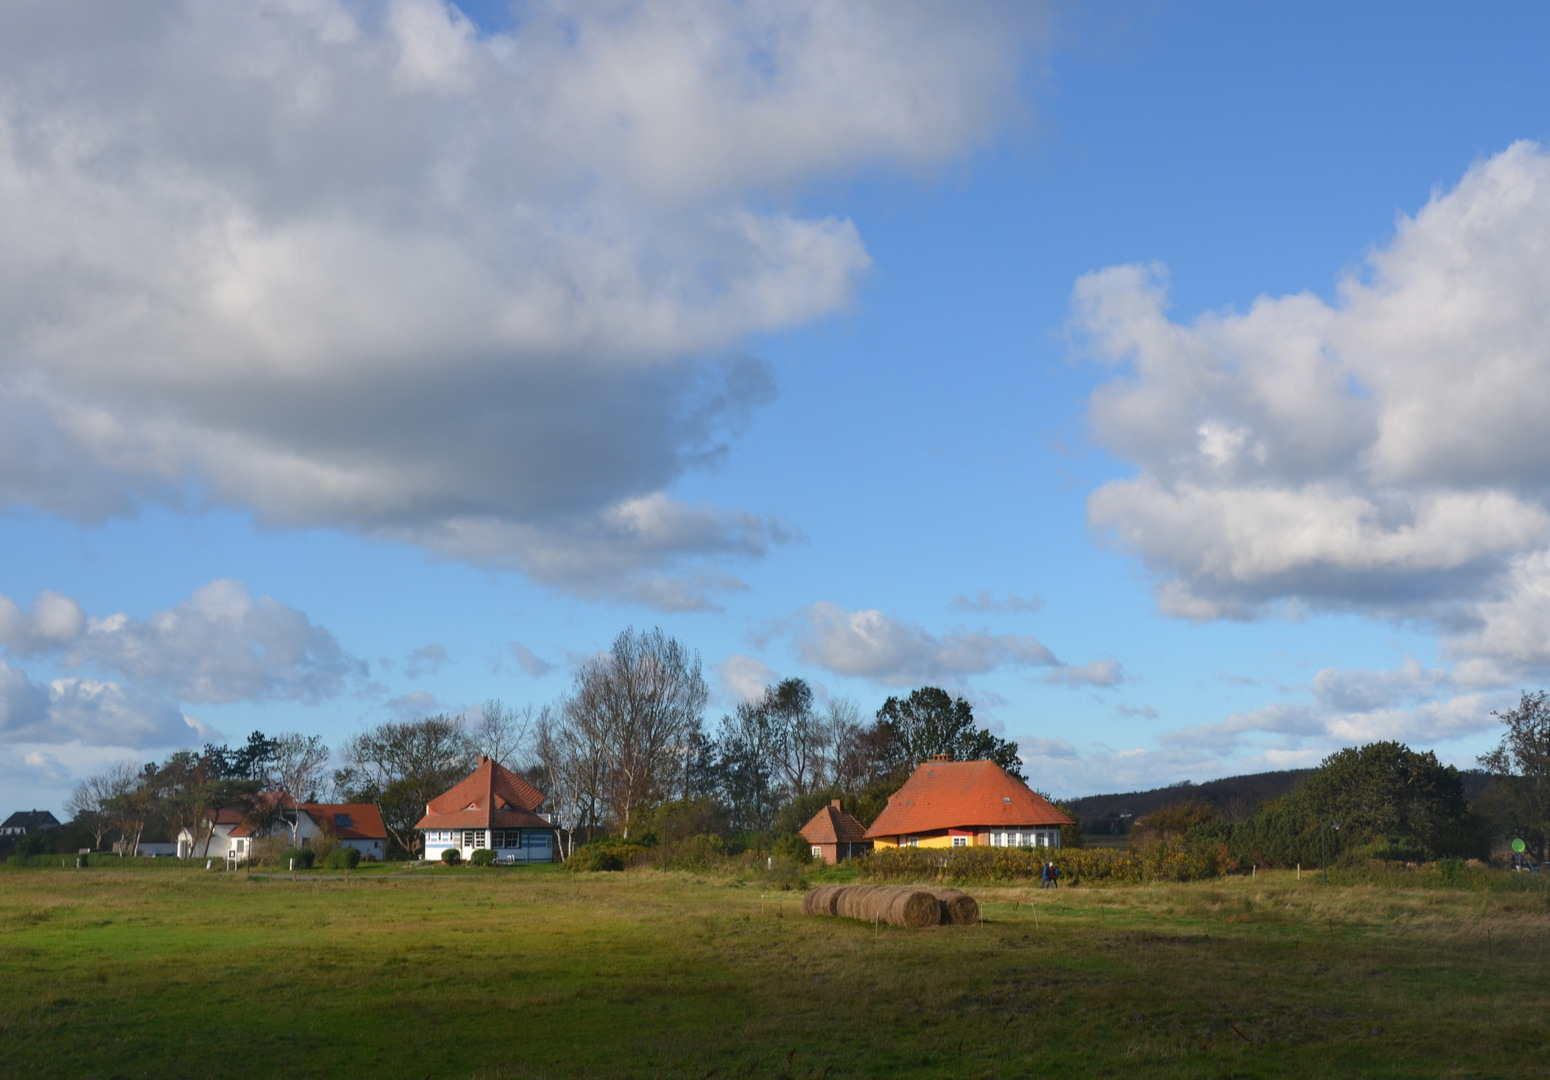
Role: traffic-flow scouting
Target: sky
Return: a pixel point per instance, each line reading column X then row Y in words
column 1166, row 379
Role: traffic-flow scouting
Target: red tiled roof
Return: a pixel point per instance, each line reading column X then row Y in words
column 962, row 795
column 831, row 825
column 365, row 819
column 491, row 797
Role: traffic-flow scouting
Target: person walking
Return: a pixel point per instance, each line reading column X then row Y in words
column 1054, row 876
column 1044, row 878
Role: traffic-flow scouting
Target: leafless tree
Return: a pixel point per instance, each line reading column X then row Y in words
column 501, row 731
column 575, row 770
column 843, row 764
column 296, row 774
column 90, row 805
column 403, row 766
column 643, row 701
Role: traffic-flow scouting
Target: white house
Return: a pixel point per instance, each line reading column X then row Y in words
column 356, row 825
column 493, row 808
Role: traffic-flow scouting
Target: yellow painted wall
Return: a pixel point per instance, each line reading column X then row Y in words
column 931, row 840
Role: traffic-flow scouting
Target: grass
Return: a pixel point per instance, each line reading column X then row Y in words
column 531, row 972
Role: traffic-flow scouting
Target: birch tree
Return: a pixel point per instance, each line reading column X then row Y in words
column 296, row 773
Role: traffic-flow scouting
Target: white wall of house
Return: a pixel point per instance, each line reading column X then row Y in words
column 509, row 845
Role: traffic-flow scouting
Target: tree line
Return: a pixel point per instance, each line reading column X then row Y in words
column 627, row 751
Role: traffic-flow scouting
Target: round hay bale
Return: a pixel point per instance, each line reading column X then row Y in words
column 913, row 908
column 857, row 902
column 820, row 901
column 958, row 908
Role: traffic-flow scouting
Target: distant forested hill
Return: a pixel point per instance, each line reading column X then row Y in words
column 1234, row 797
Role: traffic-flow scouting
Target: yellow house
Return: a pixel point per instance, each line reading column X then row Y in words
column 966, row 804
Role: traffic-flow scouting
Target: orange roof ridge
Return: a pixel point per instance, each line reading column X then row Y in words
column 831, row 825
column 960, row 795
column 491, row 795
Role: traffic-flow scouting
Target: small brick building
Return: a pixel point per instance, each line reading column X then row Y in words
column 835, row 835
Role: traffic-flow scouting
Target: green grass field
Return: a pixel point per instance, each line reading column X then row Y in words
column 538, row 973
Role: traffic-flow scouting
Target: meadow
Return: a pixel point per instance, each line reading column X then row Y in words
column 536, row 972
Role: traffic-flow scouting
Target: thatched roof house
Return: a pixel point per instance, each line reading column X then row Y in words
column 835, row 835
column 966, row 804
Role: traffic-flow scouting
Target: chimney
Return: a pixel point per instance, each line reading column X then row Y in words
column 941, row 757
column 834, row 803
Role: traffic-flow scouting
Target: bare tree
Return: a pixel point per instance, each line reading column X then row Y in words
column 574, row 766
column 844, row 763
column 90, row 803
column 800, row 738
column 501, row 731
column 296, row 774
column 643, row 700
column 403, row 766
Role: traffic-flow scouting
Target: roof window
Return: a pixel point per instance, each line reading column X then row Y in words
column 343, row 821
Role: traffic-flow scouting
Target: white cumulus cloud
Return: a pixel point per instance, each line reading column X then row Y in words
column 1385, row 453
column 363, row 267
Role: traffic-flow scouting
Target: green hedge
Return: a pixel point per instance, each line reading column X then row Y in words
column 1163, row 862
column 451, row 856
column 343, row 858
column 481, row 857
column 304, row 858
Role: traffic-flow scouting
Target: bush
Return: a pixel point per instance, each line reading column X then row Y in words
column 609, row 855
column 481, row 857
column 16, row 860
column 302, row 857
column 1165, row 862
column 451, row 856
column 785, row 873
column 266, row 850
column 343, row 858
column 697, row 852
column 793, row 847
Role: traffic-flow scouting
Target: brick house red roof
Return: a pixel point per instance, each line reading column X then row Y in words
column 962, row 795
column 831, row 825
column 491, row 797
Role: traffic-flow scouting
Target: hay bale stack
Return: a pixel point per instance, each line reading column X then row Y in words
column 958, row 907
column 893, row 904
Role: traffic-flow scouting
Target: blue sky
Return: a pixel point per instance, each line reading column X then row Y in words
column 1164, row 378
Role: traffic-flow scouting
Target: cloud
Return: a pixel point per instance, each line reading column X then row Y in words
column 365, row 268
column 984, row 602
column 1146, row 712
column 91, row 712
column 218, row 646
column 413, row 706
column 889, row 651
column 1385, row 453
column 1092, row 673
column 745, row 677
column 528, row 661
column 427, row 659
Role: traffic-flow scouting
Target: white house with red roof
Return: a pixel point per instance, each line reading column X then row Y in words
column 966, row 804
column 231, row 836
column 493, row 808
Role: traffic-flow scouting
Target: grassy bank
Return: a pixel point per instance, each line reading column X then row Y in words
column 524, row 972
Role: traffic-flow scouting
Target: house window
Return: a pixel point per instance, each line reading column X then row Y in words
column 914, row 841
column 960, row 841
column 479, row 839
column 343, row 821
column 817, row 852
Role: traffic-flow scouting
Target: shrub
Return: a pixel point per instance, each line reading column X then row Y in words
column 785, row 873
column 343, row 858
column 16, row 860
column 609, row 854
column 697, row 852
column 266, row 850
column 793, row 847
column 1166, row 862
column 451, row 856
column 482, row 857
column 302, row 858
